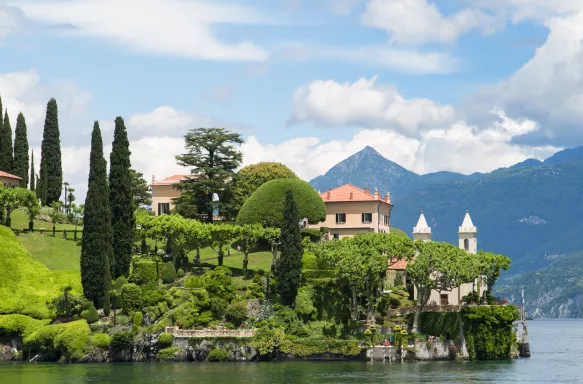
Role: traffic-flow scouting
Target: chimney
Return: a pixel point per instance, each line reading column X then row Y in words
column 153, row 179
column 328, row 195
column 366, row 190
column 377, row 195
column 350, row 195
column 388, row 198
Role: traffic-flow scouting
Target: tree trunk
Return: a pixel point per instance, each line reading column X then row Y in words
column 8, row 212
column 370, row 318
column 221, row 256
column 422, row 297
column 245, row 263
column 31, row 226
column 354, row 306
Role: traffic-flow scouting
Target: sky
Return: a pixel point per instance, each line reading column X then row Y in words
column 457, row 85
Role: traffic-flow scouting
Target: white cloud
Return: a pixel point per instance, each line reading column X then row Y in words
column 364, row 103
column 11, row 20
column 536, row 10
column 420, row 21
column 170, row 27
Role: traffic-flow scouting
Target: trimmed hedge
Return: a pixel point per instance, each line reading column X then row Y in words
column 218, row 354
column 318, row 346
column 319, row 274
column 169, row 273
column 440, row 323
column 68, row 339
column 131, row 298
column 20, row 325
column 265, row 206
column 144, row 272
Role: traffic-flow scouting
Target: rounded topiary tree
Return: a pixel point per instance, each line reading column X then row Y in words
column 265, row 206
column 169, row 273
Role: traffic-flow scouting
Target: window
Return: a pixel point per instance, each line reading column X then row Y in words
column 163, row 208
column 367, row 217
column 467, row 244
column 386, row 220
column 340, row 218
column 444, row 299
column 337, row 236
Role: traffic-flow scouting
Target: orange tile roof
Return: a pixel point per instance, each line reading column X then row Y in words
column 8, row 175
column 398, row 266
column 349, row 192
column 171, row 180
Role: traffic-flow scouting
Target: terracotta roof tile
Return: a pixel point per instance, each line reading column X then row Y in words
column 8, row 175
column 348, row 192
column 398, row 266
column 175, row 179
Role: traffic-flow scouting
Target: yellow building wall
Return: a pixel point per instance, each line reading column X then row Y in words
column 163, row 194
column 9, row 182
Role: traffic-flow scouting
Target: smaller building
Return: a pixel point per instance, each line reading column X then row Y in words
column 351, row 210
column 8, row 180
column 164, row 193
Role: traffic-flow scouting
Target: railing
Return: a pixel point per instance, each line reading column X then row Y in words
column 467, row 229
column 421, row 230
column 235, row 333
column 432, row 308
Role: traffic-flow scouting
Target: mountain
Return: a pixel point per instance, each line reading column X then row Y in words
column 531, row 212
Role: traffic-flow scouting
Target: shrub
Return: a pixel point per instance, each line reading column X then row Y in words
column 265, row 205
column 318, row 274
column 131, row 298
column 287, row 320
column 68, row 339
column 168, row 353
column 20, row 325
column 101, row 340
column 218, row 307
column 144, row 272
column 120, row 282
column 137, row 321
column 236, row 312
column 169, row 273
column 309, row 261
column 165, row 339
column 90, row 314
column 313, row 234
column 180, row 272
column 218, row 354
column 122, row 340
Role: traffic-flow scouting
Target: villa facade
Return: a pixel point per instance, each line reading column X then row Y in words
column 8, row 180
column 164, row 193
column 351, row 210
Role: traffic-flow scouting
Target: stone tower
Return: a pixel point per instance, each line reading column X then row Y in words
column 422, row 231
column 468, row 235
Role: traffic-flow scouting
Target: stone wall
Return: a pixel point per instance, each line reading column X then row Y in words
column 211, row 333
column 421, row 350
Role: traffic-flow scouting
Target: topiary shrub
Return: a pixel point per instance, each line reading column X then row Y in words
column 169, row 273
column 144, row 272
column 236, row 312
column 101, row 340
column 218, row 354
column 165, row 340
column 180, row 272
column 90, row 315
column 120, row 282
column 265, row 206
column 122, row 340
column 218, row 307
column 131, row 298
column 137, row 321
column 309, row 261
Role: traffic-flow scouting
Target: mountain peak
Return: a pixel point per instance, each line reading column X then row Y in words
column 369, row 151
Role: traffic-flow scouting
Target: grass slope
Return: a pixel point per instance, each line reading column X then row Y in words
column 54, row 252
column 20, row 221
column 27, row 285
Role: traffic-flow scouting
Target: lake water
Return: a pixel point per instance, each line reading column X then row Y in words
column 556, row 347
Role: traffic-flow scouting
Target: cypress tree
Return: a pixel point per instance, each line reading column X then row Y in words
column 289, row 266
column 51, row 171
column 121, row 200
column 32, row 174
column 6, row 145
column 20, row 163
column 96, row 248
column 1, row 138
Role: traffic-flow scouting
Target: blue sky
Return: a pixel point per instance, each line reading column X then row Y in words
column 461, row 85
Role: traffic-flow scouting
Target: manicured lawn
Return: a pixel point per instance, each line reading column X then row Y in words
column 54, row 252
column 257, row 260
column 20, row 221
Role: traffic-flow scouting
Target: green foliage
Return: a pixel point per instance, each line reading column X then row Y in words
column 20, row 163
column 5, row 142
column 440, row 323
column 287, row 319
column 210, row 153
column 169, row 273
column 68, row 339
column 26, row 285
column 168, row 353
column 32, row 173
column 101, row 340
column 236, row 312
column 180, row 273
column 319, row 346
column 144, row 272
column 267, row 340
column 219, row 307
column 309, row 261
column 312, row 233
column 266, row 204
column 289, row 265
column 319, row 274
column 90, row 314
column 304, row 306
column 218, row 354
column 137, row 321
column 142, row 196
column 19, row 325
column 122, row 340
column 51, row 171
column 489, row 331
column 165, row 339
column 130, row 298
column 121, row 200
column 96, row 244
column 120, row 282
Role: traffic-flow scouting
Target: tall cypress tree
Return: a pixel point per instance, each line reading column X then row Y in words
column 20, row 163
column 121, row 199
column 51, row 171
column 1, row 139
column 96, row 248
column 289, row 266
column 6, row 145
column 32, row 174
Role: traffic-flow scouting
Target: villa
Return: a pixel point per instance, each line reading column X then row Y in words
column 164, row 193
column 351, row 210
column 8, row 180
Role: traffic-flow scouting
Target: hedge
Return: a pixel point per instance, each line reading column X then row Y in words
column 318, row 346
column 319, row 274
column 218, row 354
column 67, row 339
column 265, row 205
column 20, row 325
column 440, row 323
column 144, row 272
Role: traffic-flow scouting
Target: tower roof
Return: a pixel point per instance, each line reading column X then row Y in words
column 467, row 225
column 421, row 226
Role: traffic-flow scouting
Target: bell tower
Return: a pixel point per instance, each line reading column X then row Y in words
column 468, row 235
column 422, row 231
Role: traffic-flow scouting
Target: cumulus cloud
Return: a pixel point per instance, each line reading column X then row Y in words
column 169, row 27
column 365, row 103
column 420, row 21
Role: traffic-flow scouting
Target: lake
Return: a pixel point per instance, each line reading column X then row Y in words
column 556, row 347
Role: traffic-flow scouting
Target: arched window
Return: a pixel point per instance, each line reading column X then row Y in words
column 467, row 244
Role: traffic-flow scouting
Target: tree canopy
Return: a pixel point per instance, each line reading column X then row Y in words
column 5, row 143
column 289, row 266
column 142, row 196
column 51, row 171
column 20, row 163
column 266, row 204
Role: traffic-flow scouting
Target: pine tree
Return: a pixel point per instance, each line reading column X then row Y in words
column 6, row 145
column 51, row 171
column 32, row 174
column 96, row 248
column 289, row 266
column 20, row 163
column 121, row 200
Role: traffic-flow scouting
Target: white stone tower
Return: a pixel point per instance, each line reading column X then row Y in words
column 468, row 235
column 422, row 231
